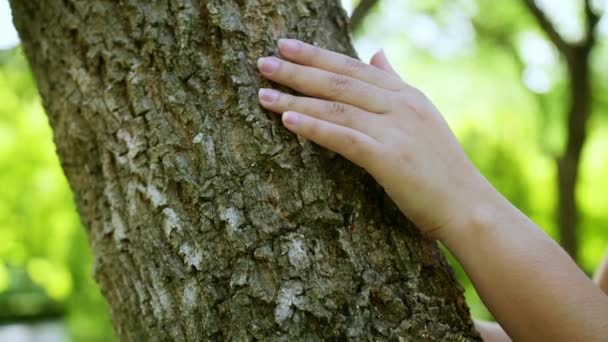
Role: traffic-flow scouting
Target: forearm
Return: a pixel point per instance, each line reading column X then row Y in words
column 531, row 286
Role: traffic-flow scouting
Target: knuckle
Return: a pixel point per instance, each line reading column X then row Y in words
column 352, row 66
column 337, row 108
column 338, row 113
column 338, row 84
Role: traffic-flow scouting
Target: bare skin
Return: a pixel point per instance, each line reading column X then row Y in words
column 493, row 332
column 369, row 115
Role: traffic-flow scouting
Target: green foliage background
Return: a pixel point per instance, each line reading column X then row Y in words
column 508, row 131
column 45, row 260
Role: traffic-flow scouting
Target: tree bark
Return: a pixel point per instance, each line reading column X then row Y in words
column 207, row 219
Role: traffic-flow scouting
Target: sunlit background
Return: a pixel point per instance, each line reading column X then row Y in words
column 487, row 65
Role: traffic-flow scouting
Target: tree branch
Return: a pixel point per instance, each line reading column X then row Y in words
column 549, row 29
column 360, row 12
column 592, row 20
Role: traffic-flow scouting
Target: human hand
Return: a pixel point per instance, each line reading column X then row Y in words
column 370, row 116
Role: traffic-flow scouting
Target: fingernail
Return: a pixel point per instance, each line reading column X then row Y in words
column 268, row 65
column 289, row 46
column 290, row 118
column 268, row 95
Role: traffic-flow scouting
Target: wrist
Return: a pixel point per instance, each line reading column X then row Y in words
column 474, row 216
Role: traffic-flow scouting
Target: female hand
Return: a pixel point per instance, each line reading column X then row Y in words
column 370, row 116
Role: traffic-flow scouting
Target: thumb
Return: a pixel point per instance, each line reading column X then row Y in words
column 380, row 61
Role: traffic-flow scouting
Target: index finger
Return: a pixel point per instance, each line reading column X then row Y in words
column 310, row 55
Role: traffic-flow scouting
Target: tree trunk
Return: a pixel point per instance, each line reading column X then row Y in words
column 207, row 219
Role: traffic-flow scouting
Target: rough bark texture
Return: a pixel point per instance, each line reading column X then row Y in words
column 207, row 219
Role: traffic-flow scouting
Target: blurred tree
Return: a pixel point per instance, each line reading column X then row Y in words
column 578, row 65
column 577, row 58
column 208, row 221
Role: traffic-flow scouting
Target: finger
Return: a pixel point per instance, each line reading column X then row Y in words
column 335, row 112
column 310, row 55
column 380, row 61
column 353, row 145
column 324, row 84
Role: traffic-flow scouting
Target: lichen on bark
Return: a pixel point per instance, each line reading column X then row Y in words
column 207, row 219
